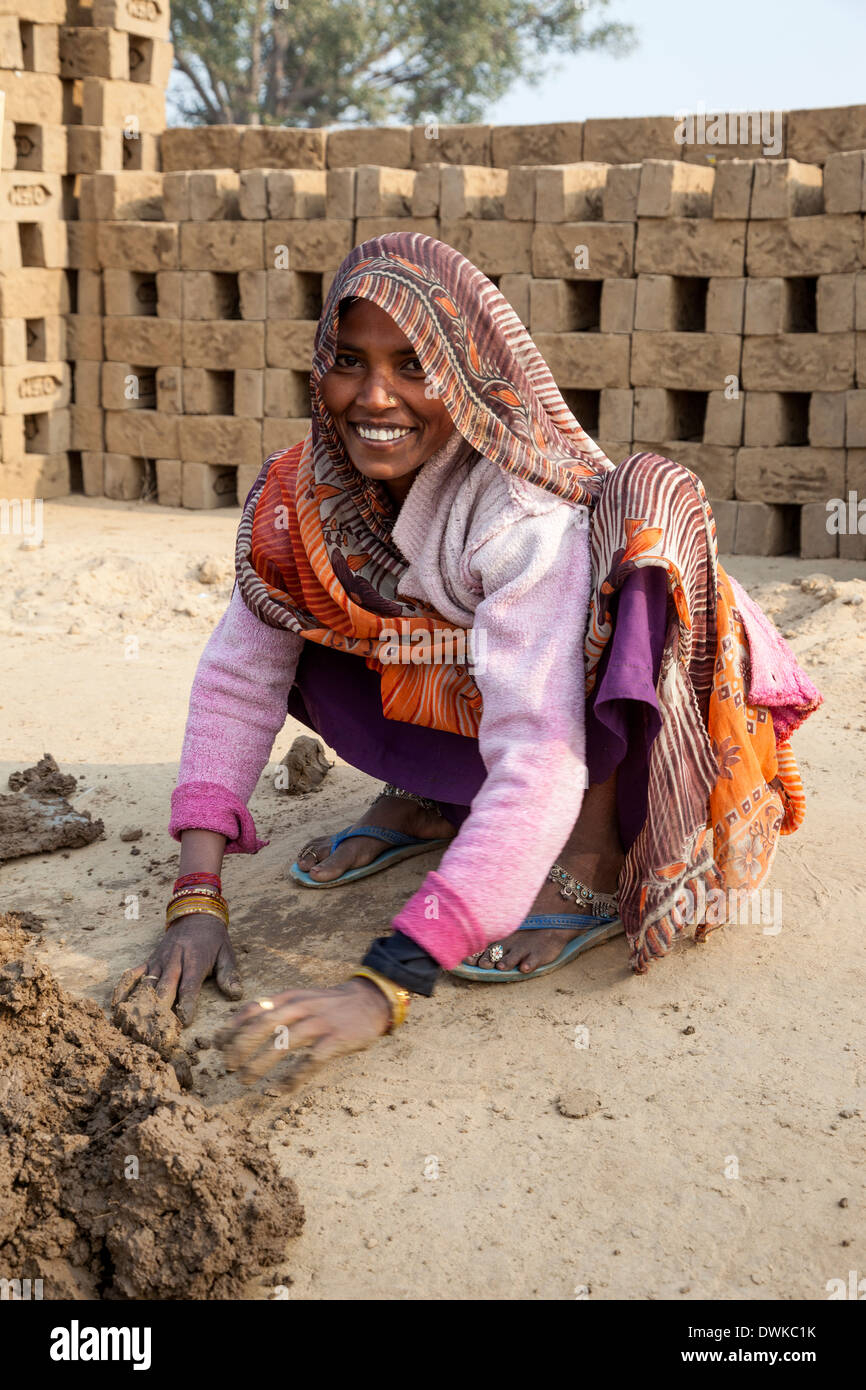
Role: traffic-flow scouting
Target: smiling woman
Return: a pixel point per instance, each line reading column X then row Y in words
column 379, row 399
column 624, row 740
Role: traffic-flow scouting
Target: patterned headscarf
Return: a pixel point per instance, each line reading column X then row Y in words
column 315, row 552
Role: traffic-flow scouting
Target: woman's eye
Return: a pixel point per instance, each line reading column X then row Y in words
column 348, row 359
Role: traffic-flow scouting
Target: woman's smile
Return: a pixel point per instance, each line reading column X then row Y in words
column 382, row 437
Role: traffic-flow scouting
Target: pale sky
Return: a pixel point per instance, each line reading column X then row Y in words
column 722, row 55
column 734, row 55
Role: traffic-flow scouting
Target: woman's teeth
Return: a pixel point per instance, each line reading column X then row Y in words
column 366, row 433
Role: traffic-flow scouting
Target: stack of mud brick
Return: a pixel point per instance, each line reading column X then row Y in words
column 212, row 283
column 713, row 309
column 704, row 300
column 746, row 362
column 82, row 85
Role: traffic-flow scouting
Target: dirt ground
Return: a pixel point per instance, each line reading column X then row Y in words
column 116, row 1185
column 722, row 1153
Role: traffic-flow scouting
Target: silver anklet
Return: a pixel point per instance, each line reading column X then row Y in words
column 390, row 790
column 596, row 904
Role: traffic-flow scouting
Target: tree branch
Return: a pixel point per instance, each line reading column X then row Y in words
column 190, row 73
column 255, row 76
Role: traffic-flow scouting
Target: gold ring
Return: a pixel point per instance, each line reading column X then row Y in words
column 266, row 1003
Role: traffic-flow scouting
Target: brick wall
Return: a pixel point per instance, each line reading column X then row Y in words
column 159, row 298
column 82, row 88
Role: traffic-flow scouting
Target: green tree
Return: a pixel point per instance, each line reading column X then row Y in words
column 280, row 62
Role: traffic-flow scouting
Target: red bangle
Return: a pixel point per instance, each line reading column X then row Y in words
column 188, row 880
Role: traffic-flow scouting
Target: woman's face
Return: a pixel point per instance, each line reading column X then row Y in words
column 377, row 385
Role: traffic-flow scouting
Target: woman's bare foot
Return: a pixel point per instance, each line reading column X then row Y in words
column 594, row 855
column 389, row 812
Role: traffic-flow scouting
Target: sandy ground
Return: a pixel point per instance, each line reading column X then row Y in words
column 731, row 1078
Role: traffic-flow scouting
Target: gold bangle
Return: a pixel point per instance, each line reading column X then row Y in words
column 199, row 912
column 198, row 895
column 191, row 900
column 223, row 917
column 184, row 909
column 175, row 905
column 196, row 900
column 398, row 997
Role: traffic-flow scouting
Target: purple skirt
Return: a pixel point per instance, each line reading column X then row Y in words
column 337, row 696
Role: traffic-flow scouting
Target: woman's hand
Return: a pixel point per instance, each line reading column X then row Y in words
column 194, row 947
column 331, row 1022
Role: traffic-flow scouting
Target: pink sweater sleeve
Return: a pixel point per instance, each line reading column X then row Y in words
column 237, row 707
column 531, row 738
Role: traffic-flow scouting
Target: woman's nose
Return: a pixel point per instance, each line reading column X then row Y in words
column 376, row 391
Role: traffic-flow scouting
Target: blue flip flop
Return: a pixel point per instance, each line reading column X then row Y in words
column 404, row 846
column 600, row 929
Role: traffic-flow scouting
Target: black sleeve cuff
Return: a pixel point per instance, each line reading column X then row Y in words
column 402, row 960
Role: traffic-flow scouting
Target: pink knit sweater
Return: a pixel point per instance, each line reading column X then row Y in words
column 488, row 551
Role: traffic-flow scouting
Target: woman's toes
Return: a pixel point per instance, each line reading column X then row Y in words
column 330, row 864
column 513, row 956
column 329, row 869
column 351, row 854
column 545, row 949
column 529, row 963
column 313, row 854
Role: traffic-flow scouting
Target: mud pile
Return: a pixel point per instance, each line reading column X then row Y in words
column 38, row 818
column 116, row 1185
column 306, row 767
